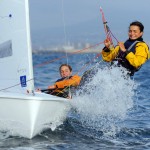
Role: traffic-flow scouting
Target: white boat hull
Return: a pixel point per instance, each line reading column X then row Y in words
column 28, row 115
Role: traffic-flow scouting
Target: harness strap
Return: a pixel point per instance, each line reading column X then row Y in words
column 130, row 47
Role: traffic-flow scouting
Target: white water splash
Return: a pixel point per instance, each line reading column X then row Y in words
column 105, row 100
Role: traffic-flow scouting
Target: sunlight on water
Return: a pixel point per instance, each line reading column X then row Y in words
column 106, row 100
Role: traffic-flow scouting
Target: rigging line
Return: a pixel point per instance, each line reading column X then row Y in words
column 107, row 29
column 9, row 16
column 76, row 52
column 80, row 69
column 77, row 73
column 15, row 85
column 93, row 67
column 74, row 80
column 82, row 74
column 86, row 65
column 65, row 33
column 64, row 25
column 114, row 37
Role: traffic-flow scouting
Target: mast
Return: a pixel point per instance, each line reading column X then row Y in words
column 31, row 84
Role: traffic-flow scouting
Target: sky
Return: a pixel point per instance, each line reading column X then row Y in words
column 55, row 22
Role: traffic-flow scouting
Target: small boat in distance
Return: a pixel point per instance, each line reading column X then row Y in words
column 23, row 113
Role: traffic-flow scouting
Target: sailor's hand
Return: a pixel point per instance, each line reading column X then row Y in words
column 38, row 90
column 107, row 43
column 51, row 87
column 122, row 47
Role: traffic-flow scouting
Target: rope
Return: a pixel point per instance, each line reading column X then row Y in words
column 63, row 16
column 9, row 16
column 45, row 63
column 114, row 37
column 89, row 63
column 64, row 25
column 15, row 85
column 78, row 72
column 50, row 61
column 108, row 35
column 106, row 27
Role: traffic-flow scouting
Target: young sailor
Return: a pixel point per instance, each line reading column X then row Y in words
column 132, row 54
column 63, row 86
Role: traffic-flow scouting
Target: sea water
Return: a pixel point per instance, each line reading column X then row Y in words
column 110, row 111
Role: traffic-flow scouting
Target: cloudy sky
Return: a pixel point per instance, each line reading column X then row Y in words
column 54, row 21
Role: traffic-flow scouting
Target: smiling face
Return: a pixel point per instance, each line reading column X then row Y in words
column 134, row 32
column 65, row 71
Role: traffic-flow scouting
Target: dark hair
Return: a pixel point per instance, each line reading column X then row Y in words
column 139, row 24
column 70, row 68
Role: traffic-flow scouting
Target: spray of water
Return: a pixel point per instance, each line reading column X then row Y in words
column 106, row 100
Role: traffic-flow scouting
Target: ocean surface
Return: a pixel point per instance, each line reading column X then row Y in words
column 111, row 112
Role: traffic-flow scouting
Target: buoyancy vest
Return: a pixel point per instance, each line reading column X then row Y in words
column 61, row 79
column 130, row 46
column 61, row 92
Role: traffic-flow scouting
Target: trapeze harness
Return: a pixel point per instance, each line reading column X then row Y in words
column 130, row 45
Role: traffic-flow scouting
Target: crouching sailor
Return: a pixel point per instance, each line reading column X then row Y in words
column 66, row 85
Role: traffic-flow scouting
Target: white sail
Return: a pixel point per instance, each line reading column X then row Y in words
column 15, row 46
column 21, row 111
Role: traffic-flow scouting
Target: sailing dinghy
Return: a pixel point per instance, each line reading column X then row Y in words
column 22, row 113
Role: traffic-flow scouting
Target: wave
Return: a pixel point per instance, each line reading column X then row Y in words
column 105, row 101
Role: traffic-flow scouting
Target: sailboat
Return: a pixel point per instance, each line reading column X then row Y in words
column 23, row 112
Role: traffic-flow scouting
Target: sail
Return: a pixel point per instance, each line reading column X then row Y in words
column 15, row 46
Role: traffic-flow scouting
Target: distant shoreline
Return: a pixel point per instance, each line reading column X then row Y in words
column 67, row 51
